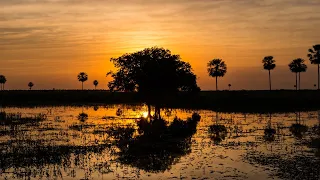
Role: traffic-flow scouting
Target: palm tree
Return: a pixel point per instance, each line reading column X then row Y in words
column 314, row 57
column 229, row 86
column 30, row 84
column 216, row 68
column 95, row 83
column 82, row 77
column 297, row 66
column 3, row 80
column 269, row 64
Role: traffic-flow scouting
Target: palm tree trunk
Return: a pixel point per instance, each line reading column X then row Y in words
column 270, row 80
column 299, row 81
column 216, row 83
column 149, row 111
column 82, row 85
column 296, row 81
column 318, row 77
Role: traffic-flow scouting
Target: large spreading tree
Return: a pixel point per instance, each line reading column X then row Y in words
column 154, row 73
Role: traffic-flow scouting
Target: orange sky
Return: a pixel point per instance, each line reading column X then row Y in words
column 50, row 41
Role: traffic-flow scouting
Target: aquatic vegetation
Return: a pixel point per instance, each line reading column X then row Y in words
column 269, row 134
column 298, row 130
column 217, row 133
column 83, row 117
column 17, row 118
column 296, row 167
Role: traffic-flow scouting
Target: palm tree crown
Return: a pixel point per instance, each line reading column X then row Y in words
column 216, row 68
column 269, row 64
column 30, row 84
column 314, row 57
column 82, row 77
column 314, row 54
column 297, row 66
column 95, row 83
column 3, row 80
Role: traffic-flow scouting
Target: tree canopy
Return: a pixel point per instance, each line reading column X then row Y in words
column 297, row 65
column 268, row 63
column 314, row 54
column 216, row 68
column 152, row 71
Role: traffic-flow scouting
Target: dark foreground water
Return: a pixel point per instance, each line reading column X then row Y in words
column 221, row 146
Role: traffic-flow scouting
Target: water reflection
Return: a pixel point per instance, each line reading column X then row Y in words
column 158, row 146
column 298, row 129
column 269, row 132
column 95, row 143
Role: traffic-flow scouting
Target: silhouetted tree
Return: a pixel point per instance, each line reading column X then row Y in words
column 30, row 84
column 314, row 57
column 3, row 80
column 269, row 64
column 297, row 66
column 216, row 68
column 154, row 73
column 314, row 85
column 82, row 77
column 95, row 83
column 229, row 86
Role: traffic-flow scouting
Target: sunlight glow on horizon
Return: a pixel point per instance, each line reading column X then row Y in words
column 51, row 41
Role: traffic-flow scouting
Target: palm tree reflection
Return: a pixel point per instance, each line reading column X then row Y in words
column 269, row 132
column 217, row 132
column 298, row 129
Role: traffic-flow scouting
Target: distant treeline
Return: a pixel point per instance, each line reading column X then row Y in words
column 224, row 101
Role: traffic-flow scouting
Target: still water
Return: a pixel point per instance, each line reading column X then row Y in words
column 222, row 145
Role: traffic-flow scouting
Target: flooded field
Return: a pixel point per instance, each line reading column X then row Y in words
column 106, row 143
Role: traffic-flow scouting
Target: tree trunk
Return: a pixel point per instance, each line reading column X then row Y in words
column 270, row 80
column 299, row 81
column 149, row 112
column 82, row 85
column 296, row 81
column 157, row 112
column 95, row 87
column 270, row 119
column 318, row 77
column 216, row 83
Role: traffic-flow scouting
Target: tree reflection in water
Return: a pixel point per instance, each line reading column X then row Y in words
column 298, row 129
column 157, row 146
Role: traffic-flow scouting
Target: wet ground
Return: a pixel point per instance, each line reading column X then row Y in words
column 84, row 143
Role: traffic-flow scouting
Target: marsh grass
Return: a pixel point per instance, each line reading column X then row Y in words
column 17, row 118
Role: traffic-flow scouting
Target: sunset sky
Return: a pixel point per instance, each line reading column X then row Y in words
column 49, row 42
